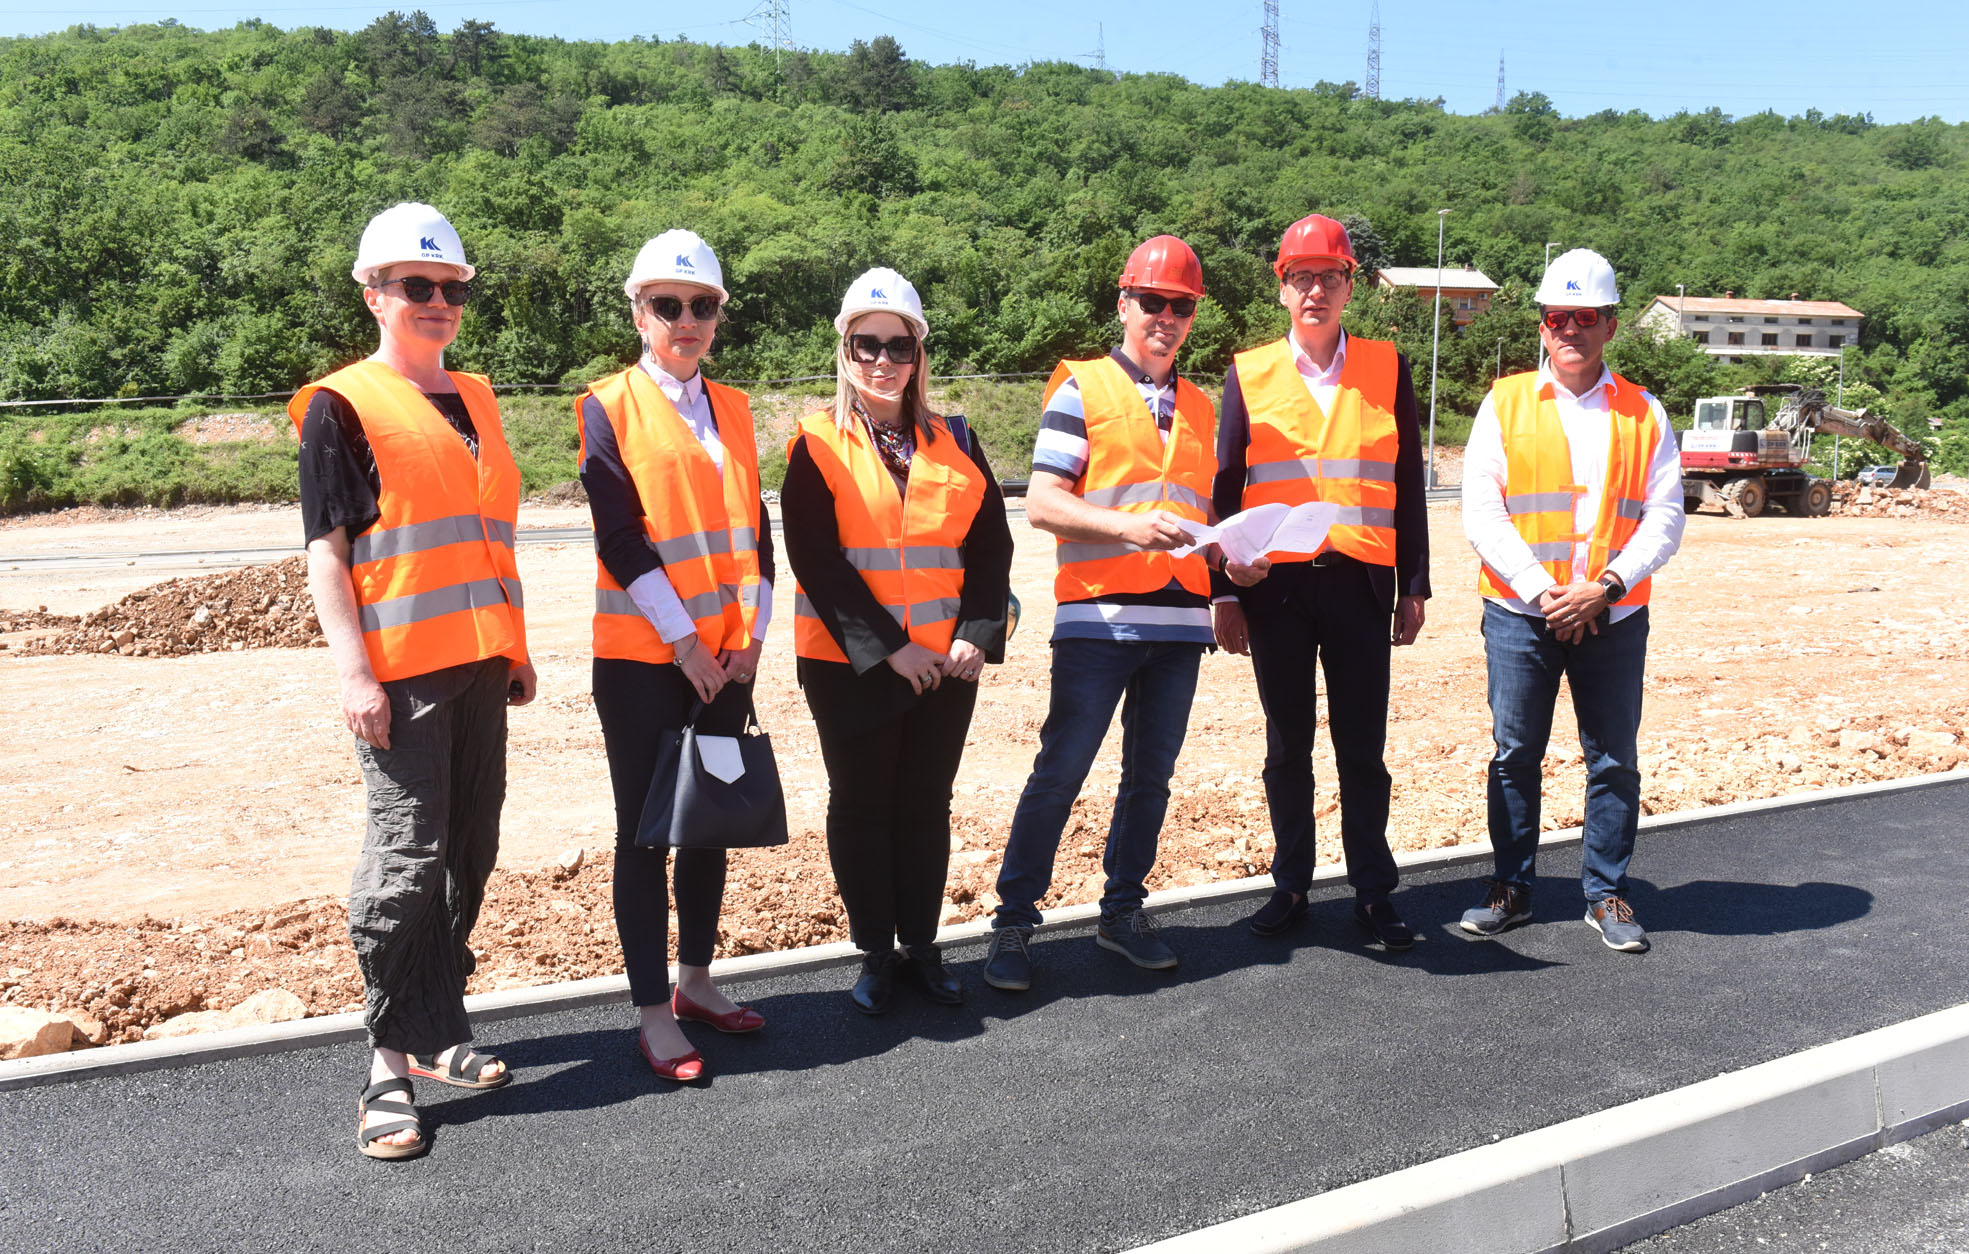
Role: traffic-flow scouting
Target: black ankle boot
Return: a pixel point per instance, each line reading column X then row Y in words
column 877, row 984
column 924, row 963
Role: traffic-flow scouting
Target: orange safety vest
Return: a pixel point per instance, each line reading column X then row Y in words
column 703, row 525
column 435, row 579
column 908, row 546
column 1538, row 488
column 1130, row 468
column 1297, row 453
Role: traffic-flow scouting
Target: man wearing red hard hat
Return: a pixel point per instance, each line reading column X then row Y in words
column 1324, row 416
column 1120, row 472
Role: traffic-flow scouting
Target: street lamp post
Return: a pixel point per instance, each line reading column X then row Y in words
column 1838, row 402
column 1435, row 344
column 1541, row 274
column 1498, row 373
column 1681, row 310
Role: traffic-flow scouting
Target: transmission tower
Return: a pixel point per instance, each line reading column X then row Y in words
column 1268, row 46
column 1374, row 52
column 1500, row 80
column 775, row 19
column 1100, row 53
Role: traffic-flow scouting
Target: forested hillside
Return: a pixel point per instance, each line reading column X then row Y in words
column 178, row 209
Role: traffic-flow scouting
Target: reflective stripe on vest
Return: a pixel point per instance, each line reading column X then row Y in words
column 1538, row 491
column 1130, row 467
column 906, row 546
column 435, row 579
column 1297, row 452
column 702, row 524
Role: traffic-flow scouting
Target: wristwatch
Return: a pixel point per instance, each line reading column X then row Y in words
column 1615, row 588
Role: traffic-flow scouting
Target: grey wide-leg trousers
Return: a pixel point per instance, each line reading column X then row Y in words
column 434, row 800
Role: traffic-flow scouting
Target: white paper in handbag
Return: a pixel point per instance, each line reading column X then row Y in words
column 721, row 757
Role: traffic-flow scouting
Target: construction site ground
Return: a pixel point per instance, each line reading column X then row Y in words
column 176, row 832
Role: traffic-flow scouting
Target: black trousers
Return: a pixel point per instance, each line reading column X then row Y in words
column 1300, row 613
column 891, row 756
column 641, row 705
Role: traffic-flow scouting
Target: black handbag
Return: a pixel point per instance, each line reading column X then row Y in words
column 688, row 807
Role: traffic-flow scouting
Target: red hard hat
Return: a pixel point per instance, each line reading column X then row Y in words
column 1166, row 264
column 1314, row 238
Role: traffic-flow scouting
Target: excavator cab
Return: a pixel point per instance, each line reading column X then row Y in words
column 1730, row 413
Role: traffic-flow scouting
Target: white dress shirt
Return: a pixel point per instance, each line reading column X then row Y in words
column 653, row 592
column 1586, row 420
column 1321, row 382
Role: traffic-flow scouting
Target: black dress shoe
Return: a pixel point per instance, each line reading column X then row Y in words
column 1380, row 918
column 877, row 984
column 924, row 964
column 1278, row 914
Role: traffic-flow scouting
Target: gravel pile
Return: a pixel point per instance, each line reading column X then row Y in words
column 256, row 607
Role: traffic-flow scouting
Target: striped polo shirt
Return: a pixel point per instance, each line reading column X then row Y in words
column 1169, row 614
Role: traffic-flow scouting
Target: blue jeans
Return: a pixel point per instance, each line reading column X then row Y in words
column 1526, row 662
column 1154, row 684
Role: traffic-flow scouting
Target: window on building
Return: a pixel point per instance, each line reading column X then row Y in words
column 1736, row 361
column 1770, row 322
column 1700, row 337
column 1702, row 317
column 1463, row 302
column 1736, row 318
column 1834, row 341
column 1770, row 339
column 1838, row 322
column 1736, row 337
column 1803, row 341
column 1804, row 322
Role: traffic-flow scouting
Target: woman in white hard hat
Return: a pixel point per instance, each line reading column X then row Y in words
column 409, row 498
column 683, row 595
column 896, row 531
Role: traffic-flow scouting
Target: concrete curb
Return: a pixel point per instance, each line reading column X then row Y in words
column 1601, row 1181
column 604, row 990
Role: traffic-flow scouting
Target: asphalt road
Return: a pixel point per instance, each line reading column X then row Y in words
column 1911, row 1198
column 1106, row 1108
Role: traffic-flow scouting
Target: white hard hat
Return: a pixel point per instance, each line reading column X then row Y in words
column 408, row 232
column 882, row 290
column 676, row 257
column 1578, row 279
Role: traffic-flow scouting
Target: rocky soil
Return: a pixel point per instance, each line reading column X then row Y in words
column 255, row 607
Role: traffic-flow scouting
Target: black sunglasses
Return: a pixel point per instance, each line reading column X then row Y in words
column 867, row 349
column 417, row 289
column 1152, row 304
column 1557, row 318
column 671, row 308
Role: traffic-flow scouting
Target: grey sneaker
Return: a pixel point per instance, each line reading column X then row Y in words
column 1008, row 966
column 1613, row 919
column 1505, row 907
column 1132, row 935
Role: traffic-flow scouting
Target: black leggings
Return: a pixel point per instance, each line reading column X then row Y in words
column 891, row 757
column 642, row 704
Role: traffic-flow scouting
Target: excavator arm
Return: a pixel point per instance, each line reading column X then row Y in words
column 1806, row 410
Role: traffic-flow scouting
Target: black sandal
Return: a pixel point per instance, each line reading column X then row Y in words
column 463, row 1070
column 368, row 1134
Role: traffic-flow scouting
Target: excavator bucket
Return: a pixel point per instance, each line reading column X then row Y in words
column 1911, row 475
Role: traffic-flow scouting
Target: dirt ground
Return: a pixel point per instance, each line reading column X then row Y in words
column 176, row 832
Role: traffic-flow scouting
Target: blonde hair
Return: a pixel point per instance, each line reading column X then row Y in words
column 916, row 409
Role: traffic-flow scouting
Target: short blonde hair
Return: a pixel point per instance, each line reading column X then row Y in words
column 915, row 398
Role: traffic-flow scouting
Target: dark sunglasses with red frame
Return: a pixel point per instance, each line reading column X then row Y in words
column 1557, row 318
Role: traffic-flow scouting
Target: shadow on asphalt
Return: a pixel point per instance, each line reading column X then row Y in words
column 1735, row 908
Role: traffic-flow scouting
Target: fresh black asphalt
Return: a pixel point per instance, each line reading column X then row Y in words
column 1106, row 1108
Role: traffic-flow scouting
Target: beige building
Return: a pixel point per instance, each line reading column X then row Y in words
column 1734, row 328
column 1466, row 292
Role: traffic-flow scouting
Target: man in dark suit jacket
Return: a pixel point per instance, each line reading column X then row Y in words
column 1318, row 416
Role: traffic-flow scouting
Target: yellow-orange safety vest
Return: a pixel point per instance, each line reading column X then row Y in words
column 907, row 546
column 1538, row 489
column 1131, row 468
column 703, row 525
column 1299, row 453
column 435, row 578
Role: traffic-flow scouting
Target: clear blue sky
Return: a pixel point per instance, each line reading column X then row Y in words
column 1895, row 59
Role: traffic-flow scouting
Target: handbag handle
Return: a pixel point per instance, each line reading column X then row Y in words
column 751, row 723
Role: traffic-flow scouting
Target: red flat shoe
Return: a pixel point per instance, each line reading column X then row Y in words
column 744, row 1019
column 683, row 1070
